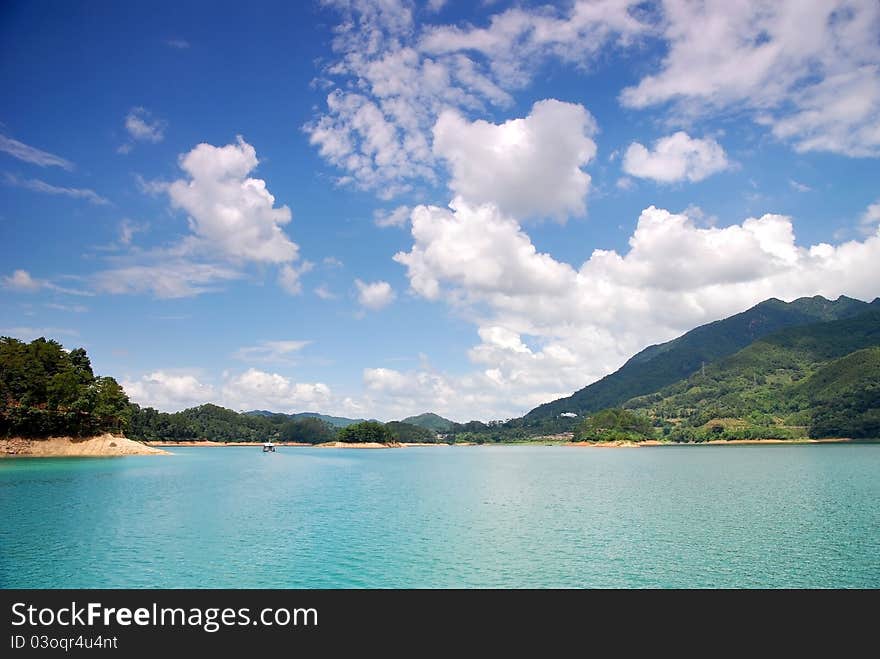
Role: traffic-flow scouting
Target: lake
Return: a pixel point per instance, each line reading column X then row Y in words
column 475, row 517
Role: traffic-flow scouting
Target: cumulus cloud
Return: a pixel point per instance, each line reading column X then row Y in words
column 255, row 389
column 807, row 70
column 36, row 185
column 530, row 167
column 143, row 127
column 174, row 390
column 675, row 158
column 32, row 154
column 233, row 222
column 374, row 295
column 229, row 211
column 168, row 390
column 548, row 328
column 392, row 78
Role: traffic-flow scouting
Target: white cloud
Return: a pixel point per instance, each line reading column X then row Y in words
column 324, row 292
column 32, row 154
column 73, row 308
column 164, row 277
column 21, row 280
column 255, row 389
column 179, row 44
column 675, row 158
column 518, row 40
column 142, row 127
column 871, row 215
column 547, row 328
column 289, row 276
column 233, row 222
column 798, row 186
column 37, row 185
column 271, row 352
column 809, row 70
column 374, row 295
column 530, row 167
column 392, row 218
column 392, row 79
column 168, row 390
column 231, row 214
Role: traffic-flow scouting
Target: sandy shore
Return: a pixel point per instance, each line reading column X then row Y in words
column 647, row 442
column 208, row 443
column 106, row 445
column 359, row 445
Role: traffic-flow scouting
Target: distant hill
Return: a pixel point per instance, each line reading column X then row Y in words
column 335, row 421
column 430, row 421
column 660, row 365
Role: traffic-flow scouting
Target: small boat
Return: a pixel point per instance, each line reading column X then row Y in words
column 268, row 447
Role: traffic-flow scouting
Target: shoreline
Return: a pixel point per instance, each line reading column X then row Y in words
column 106, row 445
column 720, row 442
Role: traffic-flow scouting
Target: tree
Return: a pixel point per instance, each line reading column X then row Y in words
column 614, row 425
column 309, row 430
column 112, row 410
column 407, row 432
column 365, row 431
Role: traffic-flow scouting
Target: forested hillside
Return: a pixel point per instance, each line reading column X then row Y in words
column 46, row 390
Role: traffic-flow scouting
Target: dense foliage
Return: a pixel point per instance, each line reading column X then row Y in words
column 203, row 422
column 407, row 432
column 45, row 390
column 307, row 430
column 814, row 379
column 365, row 431
column 430, row 421
column 614, row 425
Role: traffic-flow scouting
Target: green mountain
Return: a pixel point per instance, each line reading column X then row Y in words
column 822, row 378
column 430, row 421
column 335, row 421
column 660, row 365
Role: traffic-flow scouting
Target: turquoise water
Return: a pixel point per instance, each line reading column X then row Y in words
column 711, row 516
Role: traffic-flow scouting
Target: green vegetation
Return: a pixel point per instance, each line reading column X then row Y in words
column 407, row 432
column 307, row 430
column 798, row 382
column 614, row 425
column 365, row 431
column 334, row 421
column 45, row 390
column 430, row 421
column 658, row 366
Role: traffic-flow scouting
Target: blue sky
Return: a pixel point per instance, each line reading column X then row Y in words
column 382, row 208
